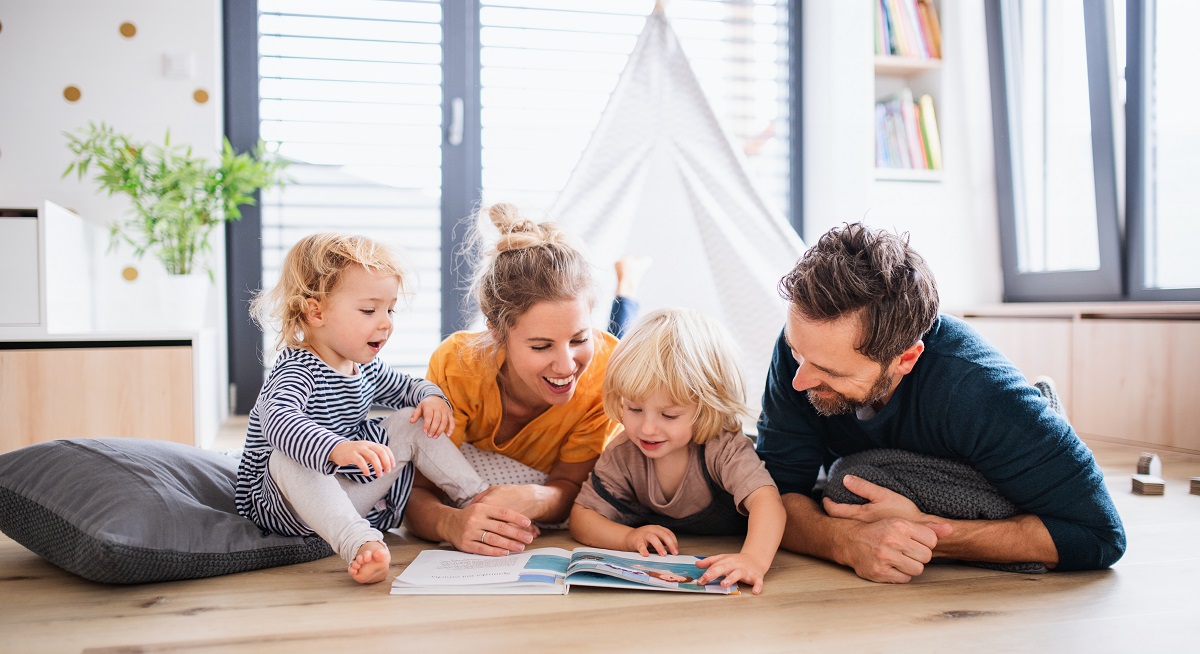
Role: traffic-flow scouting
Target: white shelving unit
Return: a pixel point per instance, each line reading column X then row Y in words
column 892, row 74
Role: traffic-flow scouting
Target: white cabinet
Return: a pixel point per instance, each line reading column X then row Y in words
column 19, row 268
column 45, row 271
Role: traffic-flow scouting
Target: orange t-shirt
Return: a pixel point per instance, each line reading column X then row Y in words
column 572, row 433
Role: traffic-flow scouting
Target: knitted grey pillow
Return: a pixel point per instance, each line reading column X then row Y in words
column 127, row 510
column 950, row 489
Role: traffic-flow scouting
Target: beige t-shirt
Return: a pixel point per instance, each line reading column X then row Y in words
column 629, row 476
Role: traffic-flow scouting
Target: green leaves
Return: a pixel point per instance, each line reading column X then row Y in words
column 177, row 198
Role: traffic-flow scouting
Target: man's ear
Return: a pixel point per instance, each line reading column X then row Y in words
column 908, row 358
column 312, row 312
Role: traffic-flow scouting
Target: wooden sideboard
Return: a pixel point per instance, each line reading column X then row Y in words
column 1127, row 372
column 89, row 386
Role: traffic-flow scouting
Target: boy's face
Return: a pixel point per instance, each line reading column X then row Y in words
column 354, row 321
column 659, row 427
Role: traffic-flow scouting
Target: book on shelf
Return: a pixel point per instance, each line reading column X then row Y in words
column 912, row 132
column 929, row 128
column 550, row 571
column 930, row 26
column 906, row 133
column 907, row 28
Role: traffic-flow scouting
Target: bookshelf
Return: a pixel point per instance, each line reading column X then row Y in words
column 908, row 81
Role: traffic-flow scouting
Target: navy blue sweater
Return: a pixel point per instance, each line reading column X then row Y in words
column 963, row 401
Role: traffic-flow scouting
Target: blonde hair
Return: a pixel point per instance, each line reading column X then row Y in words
column 688, row 355
column 529, row 263
column 312, row 269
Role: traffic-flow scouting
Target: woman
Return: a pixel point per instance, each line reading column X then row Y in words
column 526, row 391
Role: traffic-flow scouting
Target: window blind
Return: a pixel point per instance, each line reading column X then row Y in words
column 351, row 93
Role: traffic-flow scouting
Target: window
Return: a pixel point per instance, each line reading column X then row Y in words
column 402, row 115
column 351, row 93
column 548, row 67
column 1061, row 250
column 1164, row 138
column 1055, row 149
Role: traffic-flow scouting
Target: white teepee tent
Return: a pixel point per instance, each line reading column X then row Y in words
column 660, row 177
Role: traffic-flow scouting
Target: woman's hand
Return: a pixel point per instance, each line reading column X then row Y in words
column 439, row 418
column 526, row 499
column 371, row 458
column 660, row 538
column 488, row 529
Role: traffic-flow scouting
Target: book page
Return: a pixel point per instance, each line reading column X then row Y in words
column 453, row 568
column 663, row 572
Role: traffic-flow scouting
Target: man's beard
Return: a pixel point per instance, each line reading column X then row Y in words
column 840, row 404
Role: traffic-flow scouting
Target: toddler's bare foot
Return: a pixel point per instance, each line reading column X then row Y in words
column 370, row 566
column 630, row 270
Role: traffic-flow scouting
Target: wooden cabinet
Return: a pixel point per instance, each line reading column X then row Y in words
column 92, row 387
column 1126, row 372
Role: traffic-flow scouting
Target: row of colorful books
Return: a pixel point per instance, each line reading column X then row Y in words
column 907, row 28
column 906, row 133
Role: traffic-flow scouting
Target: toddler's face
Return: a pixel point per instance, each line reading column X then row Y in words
column 355, row 319
column 659, row 427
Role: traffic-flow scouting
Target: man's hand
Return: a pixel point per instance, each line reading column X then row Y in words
column 881, row 503
column 894, row 539
column 891, row 550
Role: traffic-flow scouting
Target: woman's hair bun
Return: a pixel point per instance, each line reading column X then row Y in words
column 518, row 232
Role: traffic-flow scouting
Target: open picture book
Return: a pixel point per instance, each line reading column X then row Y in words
column 549, row 571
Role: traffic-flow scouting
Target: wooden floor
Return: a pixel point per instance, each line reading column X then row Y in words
column 1151, row 598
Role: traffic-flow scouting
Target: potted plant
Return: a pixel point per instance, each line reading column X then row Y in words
column 177, row 198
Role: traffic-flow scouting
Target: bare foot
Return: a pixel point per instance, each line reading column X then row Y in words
column 630, row 270
column 371, row 564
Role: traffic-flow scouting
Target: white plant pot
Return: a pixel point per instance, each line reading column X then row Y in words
column 182, row 300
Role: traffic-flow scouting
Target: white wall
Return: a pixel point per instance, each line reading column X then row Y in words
column 953, row 221
column 47, row 45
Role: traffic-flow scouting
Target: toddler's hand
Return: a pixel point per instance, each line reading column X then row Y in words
column 371, row 458
column 439, row 418
column 735, row 568
column 660, row 538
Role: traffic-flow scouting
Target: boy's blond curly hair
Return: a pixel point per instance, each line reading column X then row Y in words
column 689, row 356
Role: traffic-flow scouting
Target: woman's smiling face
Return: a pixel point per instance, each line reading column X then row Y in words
column 547, row 350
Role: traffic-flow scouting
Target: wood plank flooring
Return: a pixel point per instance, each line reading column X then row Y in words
column 1151, row 598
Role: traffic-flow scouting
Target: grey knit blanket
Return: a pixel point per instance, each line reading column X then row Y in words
column 941, row 487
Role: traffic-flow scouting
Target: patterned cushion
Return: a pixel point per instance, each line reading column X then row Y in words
column 126, row 511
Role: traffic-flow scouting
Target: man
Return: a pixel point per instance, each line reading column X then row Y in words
column 866, row 362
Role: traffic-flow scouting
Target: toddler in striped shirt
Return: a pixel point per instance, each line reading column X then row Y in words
column 314, row 462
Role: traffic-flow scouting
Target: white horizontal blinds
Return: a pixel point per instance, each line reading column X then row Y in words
column 548, row 67
column 351, row 93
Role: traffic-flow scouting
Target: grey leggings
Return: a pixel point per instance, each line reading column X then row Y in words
column 334, row 506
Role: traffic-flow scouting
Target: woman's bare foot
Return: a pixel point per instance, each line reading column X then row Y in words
column 630, row 270
column 370, row 566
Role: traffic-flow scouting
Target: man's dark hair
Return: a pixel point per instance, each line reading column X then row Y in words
column 874, row 273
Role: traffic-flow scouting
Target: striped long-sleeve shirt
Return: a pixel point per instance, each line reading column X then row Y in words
column 304, row 409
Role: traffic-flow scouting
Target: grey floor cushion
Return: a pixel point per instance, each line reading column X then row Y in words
column 126, row 511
